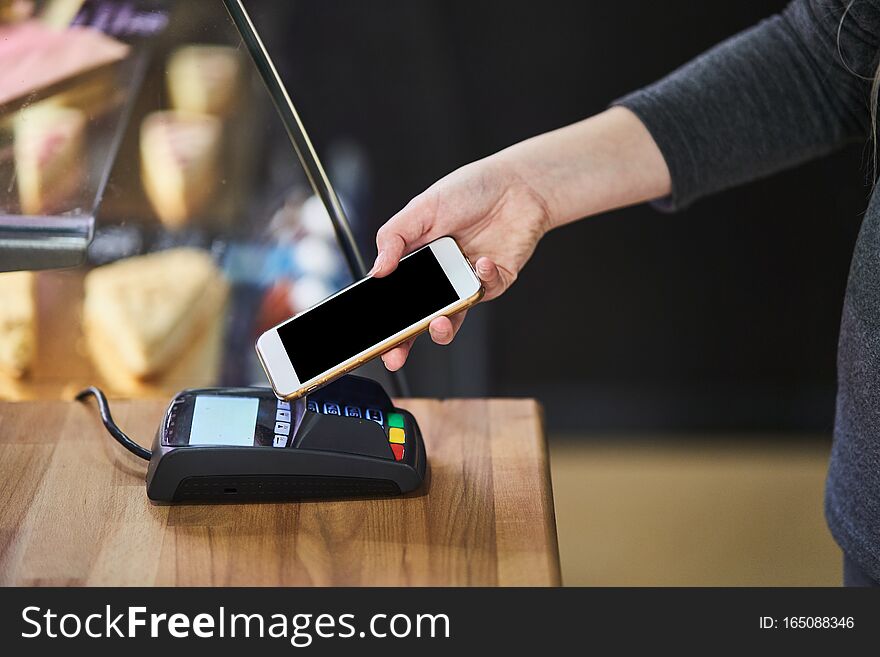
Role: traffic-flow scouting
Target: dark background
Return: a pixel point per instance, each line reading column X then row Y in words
column 723, row 316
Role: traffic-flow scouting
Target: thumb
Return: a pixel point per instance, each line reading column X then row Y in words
column 404, row 232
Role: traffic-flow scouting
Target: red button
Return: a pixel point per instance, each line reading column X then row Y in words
column 398, row 451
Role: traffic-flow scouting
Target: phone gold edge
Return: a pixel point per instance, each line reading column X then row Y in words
column 378, row 350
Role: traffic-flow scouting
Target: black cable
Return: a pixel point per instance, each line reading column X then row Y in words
column 114, row 430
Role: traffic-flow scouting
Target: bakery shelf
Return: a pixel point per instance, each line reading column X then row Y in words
column 61, row 238
column 59, row 138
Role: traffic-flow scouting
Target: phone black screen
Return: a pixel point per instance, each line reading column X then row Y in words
column 365, row 315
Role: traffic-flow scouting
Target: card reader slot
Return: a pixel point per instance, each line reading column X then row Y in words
column 340, row 433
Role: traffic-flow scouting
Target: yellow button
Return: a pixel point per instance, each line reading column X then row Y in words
column 396, row 435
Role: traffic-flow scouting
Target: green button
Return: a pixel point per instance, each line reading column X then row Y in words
column 395, row 420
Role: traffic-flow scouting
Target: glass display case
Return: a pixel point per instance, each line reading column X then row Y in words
column 66, row 92
column 144, row 144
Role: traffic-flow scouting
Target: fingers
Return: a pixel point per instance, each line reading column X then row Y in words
column 403, row 233
column 443, row 329
column 491, row 277
column 395, row 358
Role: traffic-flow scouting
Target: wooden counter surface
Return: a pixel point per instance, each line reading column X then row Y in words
column 74, row 510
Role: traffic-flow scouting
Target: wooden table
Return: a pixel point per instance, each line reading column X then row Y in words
column 74, row 510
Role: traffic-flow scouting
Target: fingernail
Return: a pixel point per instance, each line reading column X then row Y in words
column 380, row 259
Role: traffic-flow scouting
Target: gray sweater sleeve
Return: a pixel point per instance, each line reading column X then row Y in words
column 769, row 98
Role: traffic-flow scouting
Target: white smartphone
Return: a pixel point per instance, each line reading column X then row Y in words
column 367, row 319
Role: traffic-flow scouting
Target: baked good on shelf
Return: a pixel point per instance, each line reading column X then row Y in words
column 36, row 56
column 197, row 367
column 204, row 79
column 149, row 311
column 180, row 154
column 49, row 152
column 18, row 332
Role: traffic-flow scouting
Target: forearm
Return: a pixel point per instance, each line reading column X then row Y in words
column 769, row 98
column 604, row 162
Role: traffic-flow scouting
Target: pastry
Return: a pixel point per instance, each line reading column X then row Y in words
column 36, row 56
column 204, row 79
column 180, row 155
column 49, row 149
column 150, row 310
column 18, row 334
column 197, row 367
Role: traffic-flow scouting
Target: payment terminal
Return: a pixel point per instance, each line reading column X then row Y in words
column 244, row 444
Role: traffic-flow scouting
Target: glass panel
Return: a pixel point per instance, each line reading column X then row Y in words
column 207, row 231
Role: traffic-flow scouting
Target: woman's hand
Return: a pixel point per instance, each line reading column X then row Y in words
column 498, row 208
column 496, row 217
